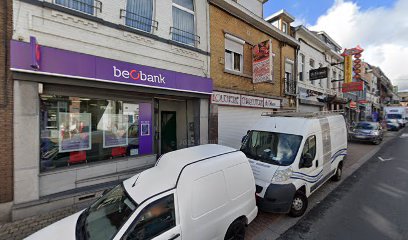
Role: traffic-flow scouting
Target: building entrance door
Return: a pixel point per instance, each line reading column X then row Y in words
column 168, row 131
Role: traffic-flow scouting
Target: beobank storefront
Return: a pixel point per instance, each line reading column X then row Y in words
column 82, row 121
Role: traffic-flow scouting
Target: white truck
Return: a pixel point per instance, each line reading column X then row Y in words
column 397, row 113
column 292, row 155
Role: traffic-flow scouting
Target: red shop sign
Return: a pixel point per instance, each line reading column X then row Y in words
column 352, row 87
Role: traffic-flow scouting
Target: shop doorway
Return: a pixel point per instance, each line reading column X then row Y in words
column 168, row 131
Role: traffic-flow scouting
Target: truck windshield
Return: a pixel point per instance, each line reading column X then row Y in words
column 394, row 116
column 270, row 147
column 104, row 218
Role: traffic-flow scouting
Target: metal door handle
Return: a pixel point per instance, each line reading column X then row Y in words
column 317, row 163
column 175, row 236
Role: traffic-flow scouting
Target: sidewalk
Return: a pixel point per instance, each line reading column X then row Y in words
column 265, row 226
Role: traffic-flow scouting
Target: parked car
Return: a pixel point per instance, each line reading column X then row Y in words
column 393, row 125
column 204, row 192
column 292, row 157
column 368, row 132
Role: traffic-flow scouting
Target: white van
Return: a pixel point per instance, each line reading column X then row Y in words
column 204, row 192
column 292, row 155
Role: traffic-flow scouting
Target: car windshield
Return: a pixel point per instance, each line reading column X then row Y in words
column 104, row 218
column 366, row 126
column 270, row 147
column 394, row 116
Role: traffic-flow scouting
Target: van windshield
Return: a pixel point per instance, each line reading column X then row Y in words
column 270, row 147
column 104, row 218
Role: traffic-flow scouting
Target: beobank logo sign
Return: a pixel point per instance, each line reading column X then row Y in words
column 138, row 76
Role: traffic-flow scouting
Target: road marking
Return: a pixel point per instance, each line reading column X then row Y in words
column 404, row 135
column 384, row 160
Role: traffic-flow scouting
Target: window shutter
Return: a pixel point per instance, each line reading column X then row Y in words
column 234, row 44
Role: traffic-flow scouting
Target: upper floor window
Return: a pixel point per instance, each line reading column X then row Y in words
column 183, row 29
column 139, row 14
column 284, row 27
column 234, row 49
column 312, row 65
column 302, row 67
column 85, row 6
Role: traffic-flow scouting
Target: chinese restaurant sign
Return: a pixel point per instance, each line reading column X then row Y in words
column 262, row 62
column 353, row 87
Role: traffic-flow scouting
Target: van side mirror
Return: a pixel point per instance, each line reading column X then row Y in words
column 307, row 160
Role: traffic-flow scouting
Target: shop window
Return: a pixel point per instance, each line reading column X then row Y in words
column 78, row 130
column 85, row 6
column 234, row 49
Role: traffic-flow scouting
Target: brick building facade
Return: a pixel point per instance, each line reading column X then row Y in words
column 232, row 22
column 6, row 110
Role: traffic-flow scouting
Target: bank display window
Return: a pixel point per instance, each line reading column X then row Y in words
column 79, row 130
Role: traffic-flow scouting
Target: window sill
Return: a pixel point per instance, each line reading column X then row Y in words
column 92, row 164
column 237, row 73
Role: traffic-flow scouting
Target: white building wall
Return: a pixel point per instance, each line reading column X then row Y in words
column 322, row 57
column 62, row 30
column 255, row 6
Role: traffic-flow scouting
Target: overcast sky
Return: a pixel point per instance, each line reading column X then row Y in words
column 378, row 26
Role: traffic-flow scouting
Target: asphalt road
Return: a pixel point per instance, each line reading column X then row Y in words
column 370, row 204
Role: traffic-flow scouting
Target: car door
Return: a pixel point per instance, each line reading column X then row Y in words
column 157, row 220
column 310, row 174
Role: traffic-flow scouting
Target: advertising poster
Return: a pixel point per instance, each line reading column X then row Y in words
column 115, row 130
column 262, row 62
column 145, row 126
column 74, row 132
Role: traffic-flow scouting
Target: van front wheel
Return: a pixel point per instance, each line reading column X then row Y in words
column 339, row 173
column 236, row 231
column 299, row 205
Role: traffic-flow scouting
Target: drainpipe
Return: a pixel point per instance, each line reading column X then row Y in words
column 296, row 77
column 282, row 79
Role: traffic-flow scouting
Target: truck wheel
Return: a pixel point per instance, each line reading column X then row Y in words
column 236, row 231
column 339, row 173
column 299, row 205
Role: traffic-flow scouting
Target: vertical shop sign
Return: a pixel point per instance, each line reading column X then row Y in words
column 262, row 62
column 74, row 132
column 348, row 68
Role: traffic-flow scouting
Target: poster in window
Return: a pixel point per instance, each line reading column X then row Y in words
column 115, row 130
column 262, row 65
column 74, row 132
column 145, row 126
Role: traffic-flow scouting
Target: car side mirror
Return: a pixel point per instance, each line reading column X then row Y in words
column 307, row 160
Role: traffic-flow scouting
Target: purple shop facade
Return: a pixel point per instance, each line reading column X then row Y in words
column 43, row 60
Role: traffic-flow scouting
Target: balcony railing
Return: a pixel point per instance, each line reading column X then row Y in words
column 137, row 21
column 85, row 6
column 181, row 36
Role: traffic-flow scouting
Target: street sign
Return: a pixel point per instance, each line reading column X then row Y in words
column 318, row 73
column 353, row 87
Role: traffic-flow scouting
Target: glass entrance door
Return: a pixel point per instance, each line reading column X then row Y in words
column 168, row 131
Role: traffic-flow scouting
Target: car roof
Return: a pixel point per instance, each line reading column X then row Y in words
column 164, row 175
